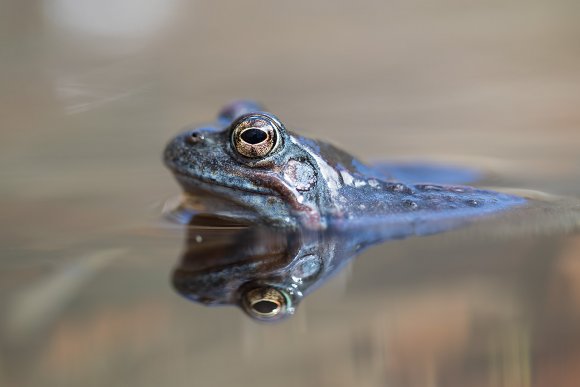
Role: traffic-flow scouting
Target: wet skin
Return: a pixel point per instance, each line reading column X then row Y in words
column 247, row 166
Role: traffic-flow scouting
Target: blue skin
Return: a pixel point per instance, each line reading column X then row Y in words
column 314, row 185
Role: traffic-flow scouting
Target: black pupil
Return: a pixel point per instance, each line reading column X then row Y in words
column 253, row 136
column 265, row 307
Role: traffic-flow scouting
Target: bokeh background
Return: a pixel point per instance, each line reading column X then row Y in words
column 92, row 90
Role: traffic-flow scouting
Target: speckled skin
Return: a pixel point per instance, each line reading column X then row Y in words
column 311, row 183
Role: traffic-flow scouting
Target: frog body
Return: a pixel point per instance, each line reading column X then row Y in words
column 248, row 166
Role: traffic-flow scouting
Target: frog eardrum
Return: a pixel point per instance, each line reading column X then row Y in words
column 256, row 135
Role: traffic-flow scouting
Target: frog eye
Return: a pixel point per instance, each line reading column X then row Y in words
column 266, row 303
column 255, row 135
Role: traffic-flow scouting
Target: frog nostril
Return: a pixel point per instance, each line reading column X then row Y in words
column 194, row 138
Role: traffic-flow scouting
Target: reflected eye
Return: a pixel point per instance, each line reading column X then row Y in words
column 255, row 135
column 265, row 303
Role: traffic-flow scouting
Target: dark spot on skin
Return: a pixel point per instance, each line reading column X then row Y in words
column 400, row 188
column 473, row 202
column 429, row 187
column 410, row 204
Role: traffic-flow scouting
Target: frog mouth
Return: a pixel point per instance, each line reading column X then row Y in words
column 219, row 201
column 208, row 186
column 226, row 196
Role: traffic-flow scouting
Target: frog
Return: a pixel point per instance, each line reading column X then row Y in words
column 246, row 166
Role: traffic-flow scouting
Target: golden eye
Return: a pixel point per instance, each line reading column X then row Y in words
column 265, row 303
column 255, row 135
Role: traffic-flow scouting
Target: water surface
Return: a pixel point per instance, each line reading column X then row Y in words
column 90, row 95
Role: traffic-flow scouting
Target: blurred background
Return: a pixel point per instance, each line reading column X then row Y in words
column 92, row 90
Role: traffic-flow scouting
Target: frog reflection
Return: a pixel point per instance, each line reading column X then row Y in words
column 267, row 271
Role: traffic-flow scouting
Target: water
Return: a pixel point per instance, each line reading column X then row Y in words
column 90, row 95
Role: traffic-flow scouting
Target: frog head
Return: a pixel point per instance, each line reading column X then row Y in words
column 250, row 164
